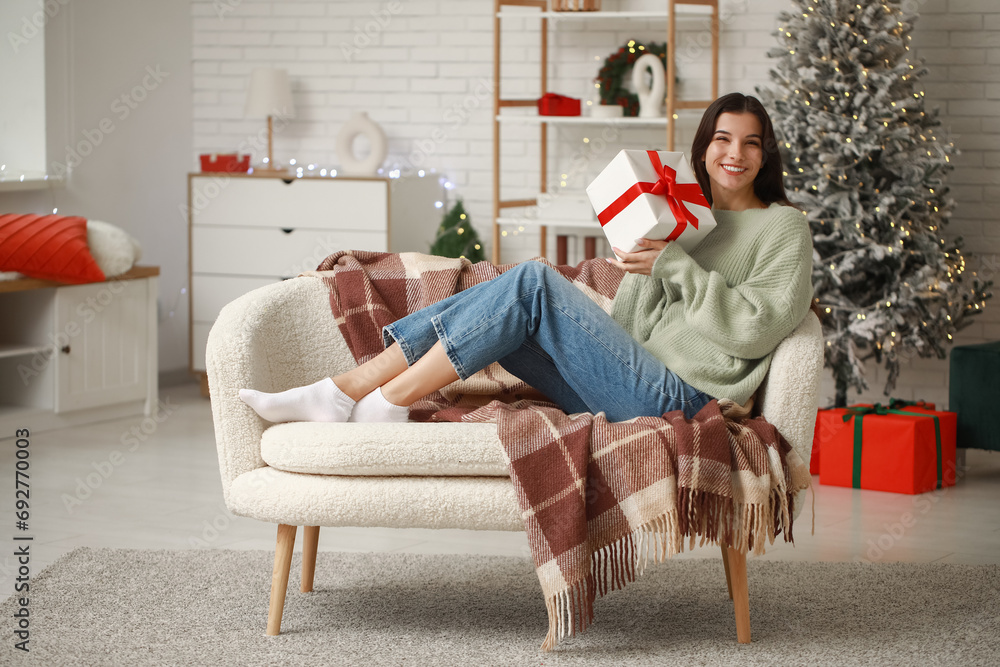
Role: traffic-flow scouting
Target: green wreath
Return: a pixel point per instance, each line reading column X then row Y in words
column 617, row 66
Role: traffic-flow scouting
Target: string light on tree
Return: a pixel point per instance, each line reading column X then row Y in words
column 847, row 99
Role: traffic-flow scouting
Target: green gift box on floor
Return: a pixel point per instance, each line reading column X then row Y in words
column 974, row 388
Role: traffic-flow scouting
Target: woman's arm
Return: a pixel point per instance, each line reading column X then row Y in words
column 745, row 320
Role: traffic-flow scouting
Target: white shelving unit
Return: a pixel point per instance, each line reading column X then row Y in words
column 76, row 354
column 24, row 183
column 538, row 9
column 582, row 120
column 605, row 15
column 7, row 351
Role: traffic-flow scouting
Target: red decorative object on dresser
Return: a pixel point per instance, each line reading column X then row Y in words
column 229, row 162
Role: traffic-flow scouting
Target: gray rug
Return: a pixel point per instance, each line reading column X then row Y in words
column 140, row 607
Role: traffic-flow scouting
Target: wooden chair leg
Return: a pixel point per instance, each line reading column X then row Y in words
column 310, row 542
column 279, row 576
column 725, row 563
column 740, row 594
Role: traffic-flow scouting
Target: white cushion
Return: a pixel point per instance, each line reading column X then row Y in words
column 470, row 503
column 412, row 448
column 114, row 249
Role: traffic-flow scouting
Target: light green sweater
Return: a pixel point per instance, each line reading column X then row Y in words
column 714, row 316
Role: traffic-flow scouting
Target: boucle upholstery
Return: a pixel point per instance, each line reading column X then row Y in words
column 475, row 503
column 284, row 335
column 789, row 395
column 274, row 338
column 385, row 449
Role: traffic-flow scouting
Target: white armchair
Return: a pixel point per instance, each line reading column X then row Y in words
column 412, row 475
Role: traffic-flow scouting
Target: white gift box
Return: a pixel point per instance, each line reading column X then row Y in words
column 652, row 195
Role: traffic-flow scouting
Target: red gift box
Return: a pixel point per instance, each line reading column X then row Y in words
column 229, row 162
column 895, row 403
column 551, row 104
column 901, row 451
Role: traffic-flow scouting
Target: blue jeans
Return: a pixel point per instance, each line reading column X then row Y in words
column 548, row 333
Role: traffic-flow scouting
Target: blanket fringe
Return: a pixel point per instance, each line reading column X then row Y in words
column 711, row 518
column 568, row 610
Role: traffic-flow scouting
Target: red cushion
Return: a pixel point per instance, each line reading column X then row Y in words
column 51, row 247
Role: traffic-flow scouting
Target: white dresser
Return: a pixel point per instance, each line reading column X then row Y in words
column 249, row 231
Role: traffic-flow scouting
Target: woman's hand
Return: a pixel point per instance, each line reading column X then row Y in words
column 640, row 261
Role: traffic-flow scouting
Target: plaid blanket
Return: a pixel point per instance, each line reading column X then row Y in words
column 369, row 290
column 596, row 497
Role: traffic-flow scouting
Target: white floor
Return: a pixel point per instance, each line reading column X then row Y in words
column 164, row 492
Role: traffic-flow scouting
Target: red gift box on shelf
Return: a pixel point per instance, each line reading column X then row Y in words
column 894, row 403
column 883, row 449
column 551, row 104
column 228, row 162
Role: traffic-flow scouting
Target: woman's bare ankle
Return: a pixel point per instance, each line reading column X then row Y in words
column 393, row 392
column 428, row 374
column 361, row 381
column 350, row 385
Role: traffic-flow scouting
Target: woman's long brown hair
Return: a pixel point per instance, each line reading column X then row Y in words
column 769, row 185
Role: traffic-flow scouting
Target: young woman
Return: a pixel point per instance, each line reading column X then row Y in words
column 684, row 327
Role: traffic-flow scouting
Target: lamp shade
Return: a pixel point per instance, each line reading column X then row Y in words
column 270, row 94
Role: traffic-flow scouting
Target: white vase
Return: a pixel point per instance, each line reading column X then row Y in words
column 360, row 124
column 650, row 97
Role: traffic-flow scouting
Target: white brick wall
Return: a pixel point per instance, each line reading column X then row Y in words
column 424, row 71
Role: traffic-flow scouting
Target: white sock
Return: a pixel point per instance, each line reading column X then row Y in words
column 322, row 401
column 375, row 408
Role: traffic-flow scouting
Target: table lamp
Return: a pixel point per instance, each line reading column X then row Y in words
column 270, row 95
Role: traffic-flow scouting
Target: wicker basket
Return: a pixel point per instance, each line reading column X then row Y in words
column 576, row 5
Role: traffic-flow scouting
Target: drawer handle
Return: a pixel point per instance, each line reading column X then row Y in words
column 64, row 349
column 288, row 181
column 288, row 230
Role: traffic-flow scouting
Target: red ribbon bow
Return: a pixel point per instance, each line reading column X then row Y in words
column 666, row 184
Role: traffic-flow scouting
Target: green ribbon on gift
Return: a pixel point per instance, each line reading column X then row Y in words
column 879, row 409
column 901, row 403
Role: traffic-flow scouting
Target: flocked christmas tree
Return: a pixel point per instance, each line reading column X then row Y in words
column 456, row 237
column 867, row 161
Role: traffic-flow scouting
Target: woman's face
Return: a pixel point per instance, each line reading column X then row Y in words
column 735, row 154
